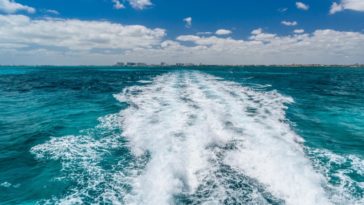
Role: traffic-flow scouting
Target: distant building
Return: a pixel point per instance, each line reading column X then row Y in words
column 141, row 64
column 120, row 64
column 130, row 64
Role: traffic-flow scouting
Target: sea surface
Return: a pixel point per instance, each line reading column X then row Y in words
column 158, row 136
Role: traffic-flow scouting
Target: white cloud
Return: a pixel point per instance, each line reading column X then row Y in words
column 188, row 22
column 221, row 32
column 259, row 35
column 282, row 10
column 10, row 6
column 302, row 6
column 66, row 41
column 321, row 46
column 51, row 11
column 76, row 35
column 289, row 23
column 335, row 7
column 257, row 31
column 140, row 4
column 204, row 33
column 118, row 5
column 355, row 5
column 298, row 31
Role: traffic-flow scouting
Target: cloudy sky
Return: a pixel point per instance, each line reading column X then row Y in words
column 102, row 32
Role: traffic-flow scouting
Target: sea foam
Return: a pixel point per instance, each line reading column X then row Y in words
column 183, row 120
column 193, row 138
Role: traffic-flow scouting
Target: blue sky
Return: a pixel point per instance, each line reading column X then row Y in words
column 209, row 15
column 285, row 19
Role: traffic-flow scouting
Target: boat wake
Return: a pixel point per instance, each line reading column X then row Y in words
column 193, row 138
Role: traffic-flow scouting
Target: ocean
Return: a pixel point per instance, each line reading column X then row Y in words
column 212, row 135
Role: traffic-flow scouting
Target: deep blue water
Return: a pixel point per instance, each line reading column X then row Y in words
column 219, row 135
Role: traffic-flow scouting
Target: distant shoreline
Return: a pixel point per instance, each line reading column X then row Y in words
column 198, row 66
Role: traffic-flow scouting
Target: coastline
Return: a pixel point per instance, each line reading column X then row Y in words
column 194, row 66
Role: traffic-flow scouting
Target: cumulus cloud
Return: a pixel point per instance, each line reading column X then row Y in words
column 222, row 32
column 289, row 23
column 10, row 6
column 188, row 22
column 76, row 35
column 302, row 6
column 259, row 35
column 355, row 5
column 257, row 31
column 66, row 41
column 321, row 46
column 140, row 4
column 118, row 5
column 335, row 7
column 298, row 31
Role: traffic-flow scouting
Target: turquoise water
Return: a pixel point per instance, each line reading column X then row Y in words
column 219, row 135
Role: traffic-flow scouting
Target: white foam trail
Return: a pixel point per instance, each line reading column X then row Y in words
column 180, row 116
column 198, row 139
column 81, row 158
column 339, row 169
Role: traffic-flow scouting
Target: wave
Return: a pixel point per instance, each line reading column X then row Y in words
column 193, row 138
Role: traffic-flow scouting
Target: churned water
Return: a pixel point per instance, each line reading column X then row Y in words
column 218, row 135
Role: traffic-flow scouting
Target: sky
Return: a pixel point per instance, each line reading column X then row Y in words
column 103, row 32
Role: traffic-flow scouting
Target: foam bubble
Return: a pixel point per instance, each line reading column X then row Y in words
column 82, row 159
column 193, row 138
column 343, row 174
column 6, row 184
column 180, row 117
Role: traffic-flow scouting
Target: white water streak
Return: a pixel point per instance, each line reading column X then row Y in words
column 202, row 139
column 180, row 116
